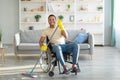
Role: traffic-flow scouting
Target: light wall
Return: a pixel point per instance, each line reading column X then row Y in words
column 9, row 16
column 117, row 22
column 8, row 19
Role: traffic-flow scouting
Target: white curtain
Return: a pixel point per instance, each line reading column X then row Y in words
column 116, row 23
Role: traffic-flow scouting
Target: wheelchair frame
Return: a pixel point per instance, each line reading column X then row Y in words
column 52, row 63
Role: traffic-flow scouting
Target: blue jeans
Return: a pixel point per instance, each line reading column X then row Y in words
column 71, row 48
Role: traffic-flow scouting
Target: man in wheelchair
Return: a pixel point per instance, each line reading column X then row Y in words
column 58, row 44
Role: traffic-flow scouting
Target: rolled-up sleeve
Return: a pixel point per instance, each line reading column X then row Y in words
column 44, row 33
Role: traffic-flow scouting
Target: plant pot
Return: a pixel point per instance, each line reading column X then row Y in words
column 99, row 9
column 37, row 20
column 31, row 28
column 0, row 43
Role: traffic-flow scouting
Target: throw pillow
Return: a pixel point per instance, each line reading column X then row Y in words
column 81, row 38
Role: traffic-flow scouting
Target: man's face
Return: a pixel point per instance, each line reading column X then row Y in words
column 52, row 20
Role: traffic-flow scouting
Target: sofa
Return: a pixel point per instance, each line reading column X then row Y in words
column 27, row 42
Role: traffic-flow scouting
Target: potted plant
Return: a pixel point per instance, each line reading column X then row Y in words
column 0, row 37
column 68, row 7
column 37, row 17
column 61, row 17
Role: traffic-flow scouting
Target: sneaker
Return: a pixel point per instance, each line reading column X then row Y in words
column 66, row 72
column 75, row 69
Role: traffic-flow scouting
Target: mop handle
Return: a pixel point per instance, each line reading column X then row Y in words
column 52, row 35
column 36, row 63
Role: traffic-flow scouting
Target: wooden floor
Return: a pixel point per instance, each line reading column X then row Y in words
column 105, row 65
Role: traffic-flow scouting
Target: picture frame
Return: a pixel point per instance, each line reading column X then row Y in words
column 71, row 18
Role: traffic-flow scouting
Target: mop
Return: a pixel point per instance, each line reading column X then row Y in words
column 30, row 73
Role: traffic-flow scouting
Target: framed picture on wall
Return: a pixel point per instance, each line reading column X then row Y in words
column 71, row 18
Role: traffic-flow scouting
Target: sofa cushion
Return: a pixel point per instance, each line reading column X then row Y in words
column 81, row 38
column 29, row 46
column 73, row 33
column 84, row 46
column 30, row 36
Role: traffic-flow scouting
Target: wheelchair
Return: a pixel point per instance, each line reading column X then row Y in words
column 49, row 61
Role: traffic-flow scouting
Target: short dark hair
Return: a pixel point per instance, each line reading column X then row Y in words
column 51, row 15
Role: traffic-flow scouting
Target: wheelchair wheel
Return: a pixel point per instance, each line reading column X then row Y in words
column 45, row 61
column 51, row 74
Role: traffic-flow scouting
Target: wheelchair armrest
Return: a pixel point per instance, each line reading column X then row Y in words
column 68, row 41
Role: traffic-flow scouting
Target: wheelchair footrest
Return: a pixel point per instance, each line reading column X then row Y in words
column 69, row 62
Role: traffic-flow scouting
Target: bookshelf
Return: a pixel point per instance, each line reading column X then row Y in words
column 90, row 16
column 28, row 9
column 85, row 14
